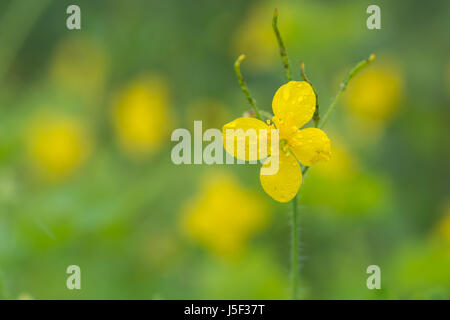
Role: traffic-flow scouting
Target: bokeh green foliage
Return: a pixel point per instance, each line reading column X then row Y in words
column 383, row 201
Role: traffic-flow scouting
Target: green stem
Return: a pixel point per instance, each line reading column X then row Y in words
column 295, row 227
column 305, row 170
column 294, row 250
column 283, row 52
column 303, row 72
column 266, row 115
column 343, row 86
column 316, row 117
column 244, row 87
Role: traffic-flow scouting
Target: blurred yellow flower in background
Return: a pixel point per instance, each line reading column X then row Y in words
column 141, row 116
column 57, row 145
column 212, row 112
column 375, row 94
column 79, row 65
column 223, row 216
column 350, row 189
column 303, row 30
column 341, row 166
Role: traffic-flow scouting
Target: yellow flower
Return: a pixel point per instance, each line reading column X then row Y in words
column 57, row 145
column 141, row 116
column 293, row 106
column 223, row 216
column 375, row 94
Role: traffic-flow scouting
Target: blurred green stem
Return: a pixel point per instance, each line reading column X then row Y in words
column 243, row 85
column 15, row 25
column 281, row 46
column 343, row 86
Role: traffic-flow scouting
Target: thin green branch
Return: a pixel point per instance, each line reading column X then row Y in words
column 303, row 72
column 316, row 117
column 305, row 170
column 266, row 115
column 283, row 52
column 243, row 85
column 343, row 86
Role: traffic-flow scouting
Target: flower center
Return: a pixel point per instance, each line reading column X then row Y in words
column 284, row 145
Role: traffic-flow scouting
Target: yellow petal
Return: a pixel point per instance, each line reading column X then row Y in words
column 294, row 104
column 245, row 141
column 310, row 145
column 284, row 184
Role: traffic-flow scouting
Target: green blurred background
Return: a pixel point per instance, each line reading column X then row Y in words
column 85, row 170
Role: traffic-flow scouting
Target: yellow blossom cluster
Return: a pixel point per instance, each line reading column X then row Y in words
column 223, row 216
